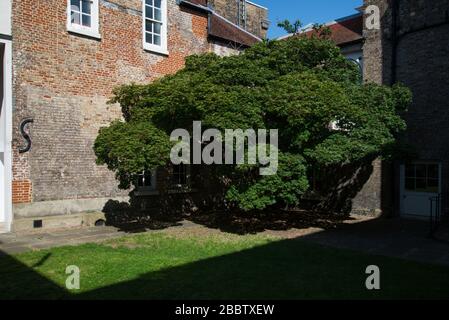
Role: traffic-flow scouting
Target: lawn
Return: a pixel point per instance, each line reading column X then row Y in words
column 167, row 265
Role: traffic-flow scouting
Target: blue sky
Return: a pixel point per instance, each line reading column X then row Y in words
column 308, row 11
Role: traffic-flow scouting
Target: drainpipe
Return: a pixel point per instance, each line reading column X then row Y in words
column 394, row 178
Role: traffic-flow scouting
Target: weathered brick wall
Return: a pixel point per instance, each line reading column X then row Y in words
column 375, row 195
column 377, row 46
column 63, row 81
column 422, row 50
column 226, row 8
column 255, row 15
column 256, row 20
column 423, row 66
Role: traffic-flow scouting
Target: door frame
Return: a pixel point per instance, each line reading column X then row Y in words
column 6, row 215
column 424, row 194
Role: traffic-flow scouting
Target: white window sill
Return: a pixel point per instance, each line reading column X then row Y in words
column 85, row 32
column 155, row 49
column 140, row 193
column 147, row 192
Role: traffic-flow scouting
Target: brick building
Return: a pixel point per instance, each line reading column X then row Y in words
column 412, row 47
column 245, row 14
column 359, row 191
column 60, row 61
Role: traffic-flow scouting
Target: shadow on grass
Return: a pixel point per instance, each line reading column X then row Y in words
column 18, row 281
column 281, row 270
column 286, row 269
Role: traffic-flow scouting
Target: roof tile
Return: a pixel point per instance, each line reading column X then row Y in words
column 344, row 31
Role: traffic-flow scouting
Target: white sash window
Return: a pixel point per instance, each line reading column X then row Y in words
column 155, row 25
column 82, row 17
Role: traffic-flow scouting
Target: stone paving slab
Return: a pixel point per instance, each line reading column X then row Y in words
column 13, row 243
column 406, row 239
column 15, row 249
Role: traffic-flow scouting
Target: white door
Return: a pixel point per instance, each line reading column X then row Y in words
column 420, row 182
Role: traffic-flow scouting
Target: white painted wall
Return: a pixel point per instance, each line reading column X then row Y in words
column 6, row 136
column 5, row 17
column 6, row 121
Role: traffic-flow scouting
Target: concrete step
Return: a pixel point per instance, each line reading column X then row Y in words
column 50, row 223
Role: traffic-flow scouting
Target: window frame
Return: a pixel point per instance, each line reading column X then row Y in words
column 163, row 48
column 187, row 172
column 425, row 178
column 94, row 30
column 153, row 186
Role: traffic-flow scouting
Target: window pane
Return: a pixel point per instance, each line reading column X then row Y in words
column 76, row 18
column 148, row 38
column 410, row 171
column 433, row 171
column 179, row 175
column 148, row 26
column 86, row 6
column 183, row 179
column 86, row 20
column 421, row 185
column 433, row 185
column 157, row 15
column 149, row 12
column 140, row 180
column 149, row 2
column 157, row 40
column 421, row 170
column 144, row 180
column 410, row 184
column 75, row 5
column 157, row 3
column 157, row 28
column 148, row 181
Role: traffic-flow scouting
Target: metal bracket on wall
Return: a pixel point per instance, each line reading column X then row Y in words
column 25, row 134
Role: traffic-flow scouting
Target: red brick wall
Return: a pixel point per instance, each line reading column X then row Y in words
column 63, row 81
column 21, row 191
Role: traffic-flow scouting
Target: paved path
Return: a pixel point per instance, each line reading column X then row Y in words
column 12, row 243
column 405, row 239
column 15, row 243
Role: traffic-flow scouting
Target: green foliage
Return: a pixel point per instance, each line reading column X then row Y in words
column 251, row 192
column 289, row 27
column 131, row 147
column 322, row 30
column 299, row 86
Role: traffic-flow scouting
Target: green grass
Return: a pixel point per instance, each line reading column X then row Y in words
column 170, row 266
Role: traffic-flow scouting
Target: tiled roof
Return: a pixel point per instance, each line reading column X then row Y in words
column 344, row 31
